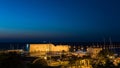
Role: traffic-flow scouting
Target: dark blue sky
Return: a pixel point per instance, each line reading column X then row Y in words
column 76, row 20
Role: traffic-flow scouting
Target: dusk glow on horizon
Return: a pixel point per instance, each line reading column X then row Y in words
column 59, row 19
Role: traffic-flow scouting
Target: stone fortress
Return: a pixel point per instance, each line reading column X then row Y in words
column 44, row 49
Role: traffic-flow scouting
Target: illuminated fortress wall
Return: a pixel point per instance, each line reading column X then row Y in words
column 37, row 49
column 40, row 47
column 61, row 48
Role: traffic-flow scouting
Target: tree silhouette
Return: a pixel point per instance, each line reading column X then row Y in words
column 12, row 60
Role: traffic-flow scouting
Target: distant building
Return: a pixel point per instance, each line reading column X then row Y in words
column 116, row 61
column 93, row 51
column 44, row 49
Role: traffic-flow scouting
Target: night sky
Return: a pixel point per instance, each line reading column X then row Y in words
column 62, row 20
